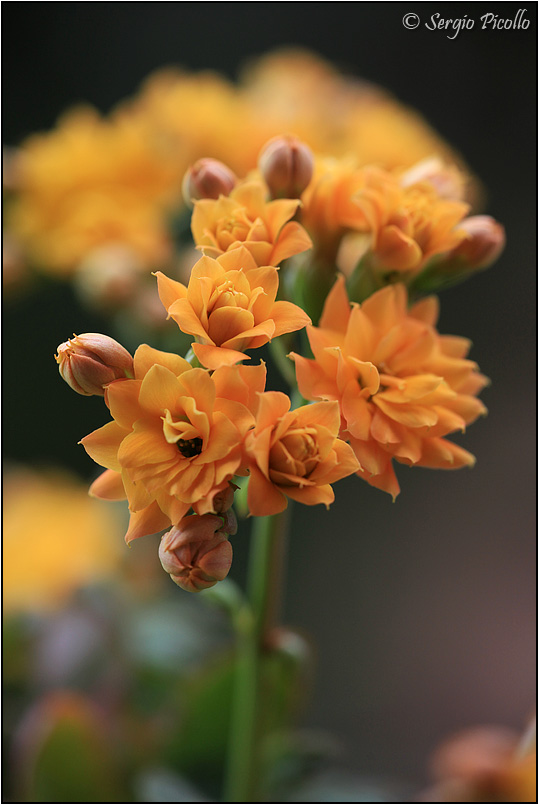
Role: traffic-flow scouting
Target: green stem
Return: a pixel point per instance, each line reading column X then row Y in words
column 279, row 348
column 263, row 586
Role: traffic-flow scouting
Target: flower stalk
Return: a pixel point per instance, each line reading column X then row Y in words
column 264, row 584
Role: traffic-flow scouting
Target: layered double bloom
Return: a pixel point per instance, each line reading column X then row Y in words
column 401, row 386
column 229, row 305
column 179, row 435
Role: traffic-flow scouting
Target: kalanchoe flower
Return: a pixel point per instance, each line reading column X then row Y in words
column 196, row 553
column 176, row 437
column 286, row 164
column 207, row 178
column 295, row 454
column 329, row 207
column 90, row 361
column 229, row 305
column 401, row 386
column 409, row 224
column 246, row 218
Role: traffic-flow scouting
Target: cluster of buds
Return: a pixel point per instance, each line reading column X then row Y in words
column 196, row 552
column 90, row 361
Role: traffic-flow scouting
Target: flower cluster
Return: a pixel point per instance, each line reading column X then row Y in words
column 296, row 241
column 98, row 181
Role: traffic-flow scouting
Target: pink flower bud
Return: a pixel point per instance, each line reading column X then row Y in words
column 286, row 165
column 207, row 178
column 196, row 552
column 89, row 361
column 484, row 242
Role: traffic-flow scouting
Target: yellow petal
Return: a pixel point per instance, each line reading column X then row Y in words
column 160, row 389
column 311, row 495
column 122, row 400
column 146, row 445
column 102, row 445
column 188, row 321
column 288, row 318
column 150, row 520
column 337, row 309
column 215, row 357
column 293, row 239
column 263, row 497
column 169, row 290
column 145, row 357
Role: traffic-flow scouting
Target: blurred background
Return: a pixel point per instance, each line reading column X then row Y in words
column 420, row 613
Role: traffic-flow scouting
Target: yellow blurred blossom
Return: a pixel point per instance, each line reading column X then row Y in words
column 56, row 539
column 91, row 182
column 96, row 181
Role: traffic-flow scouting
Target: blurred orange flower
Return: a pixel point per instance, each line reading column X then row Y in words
column 229, row 305
column 175, row 439
column 401, row 386
column 246, row 218
column 55, row 539
column 295, row 454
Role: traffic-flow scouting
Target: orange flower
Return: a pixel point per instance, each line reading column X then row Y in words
column 246, row 218
column 175, row 439
column 329, row 205
column 295, row 454
column 401, row 386
column 229, row 305
column 409, row 224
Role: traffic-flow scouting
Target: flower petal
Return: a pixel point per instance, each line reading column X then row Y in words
column 102, row 445
column 288, row 318
column 215, row 357
column 108, row 486
column 263, row 497
column 292, row 240
column 145, row 357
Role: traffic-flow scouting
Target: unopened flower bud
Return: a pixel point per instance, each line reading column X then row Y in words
column 196, row 552
column 89, row 361
column 207, row 178
column 287, row 165
column 484, row 242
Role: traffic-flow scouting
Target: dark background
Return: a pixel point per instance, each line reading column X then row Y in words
column 422, row 611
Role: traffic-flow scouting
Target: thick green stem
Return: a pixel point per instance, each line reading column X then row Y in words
column 263, row 591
